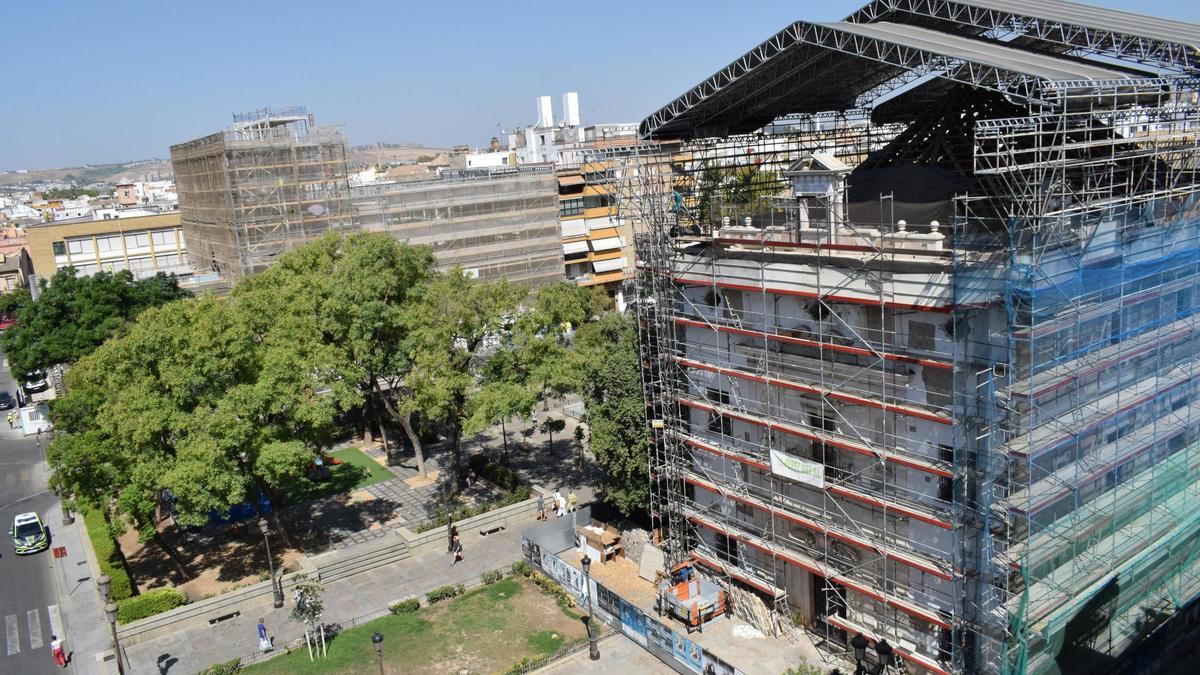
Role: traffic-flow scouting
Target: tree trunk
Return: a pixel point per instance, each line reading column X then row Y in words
column 372, row 404
column 406, row 422
column 173, row 555
column 383, row 434
column 460, row 403
column 456, row 451
column 504, row 434
column 276, row 507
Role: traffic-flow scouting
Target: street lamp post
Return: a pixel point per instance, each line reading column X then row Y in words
column 110, row 610
column 884, row 651
column 276, row 586
column 449, row 515
column 593, row 648
column 104, row 583
column 377, row 639
column 859, row 644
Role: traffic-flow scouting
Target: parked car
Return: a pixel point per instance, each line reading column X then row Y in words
column 7, row 323
column 6, row 400
column 29, row 534
column 35, row 380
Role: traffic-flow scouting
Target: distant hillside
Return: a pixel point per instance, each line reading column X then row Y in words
column 384, row 153
column 361, row 155
column 92, row 173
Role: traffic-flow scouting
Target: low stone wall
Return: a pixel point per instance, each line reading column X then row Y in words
column 328, row 569
column 503, row 517
column 203, row 612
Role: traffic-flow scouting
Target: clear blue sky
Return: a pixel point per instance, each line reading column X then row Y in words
column 92, row 82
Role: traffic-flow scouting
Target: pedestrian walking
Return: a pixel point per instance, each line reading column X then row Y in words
column 56, row 648
column 264, row 640
column 557, row 501
column 458, row 556
column 12, row 420
column 541, row 507
column 571, row 501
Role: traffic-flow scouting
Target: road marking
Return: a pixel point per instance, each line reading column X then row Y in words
column 23, row 499
column 13, row 633
column 55, row 622
column 35, row 628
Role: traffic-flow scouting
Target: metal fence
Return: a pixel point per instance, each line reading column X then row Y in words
column 333, row 628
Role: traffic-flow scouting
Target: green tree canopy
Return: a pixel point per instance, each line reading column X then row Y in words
column 454, row 331
column 213, row 399
column 612, row 389
column 12, row 301
column 73, row 315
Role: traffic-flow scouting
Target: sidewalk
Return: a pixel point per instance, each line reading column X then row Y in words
column 618, row 656
column 85, row 628
column 189, row 651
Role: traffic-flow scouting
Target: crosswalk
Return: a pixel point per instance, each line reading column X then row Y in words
column 14, row 477
column 34, row 631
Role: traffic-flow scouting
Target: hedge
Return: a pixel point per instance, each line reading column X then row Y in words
column 500, row 476
column 106, row 554
column 445, row 593
column 227, row 668
column 518, row 495
column 550, row 587
column 492, row 577
column 405, row 606
column 149, row 603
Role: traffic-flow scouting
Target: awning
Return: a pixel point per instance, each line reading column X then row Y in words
column 606, row 244
column 609, row 265
column 574, row 228
column 567, row 181
column 595, row 190
column 575, row 247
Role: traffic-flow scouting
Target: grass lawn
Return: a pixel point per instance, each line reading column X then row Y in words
column 356, row 471
column 485, row 631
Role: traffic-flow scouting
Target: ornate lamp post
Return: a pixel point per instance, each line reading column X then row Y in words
column 377, row 639
column 276, row 585
column 859, row 644
column 449, row 515
column 104, row 583
column 884, row 650
column 593, row 648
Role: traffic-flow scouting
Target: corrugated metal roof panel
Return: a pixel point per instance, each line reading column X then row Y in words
column 979, row 51
column 1101, row 18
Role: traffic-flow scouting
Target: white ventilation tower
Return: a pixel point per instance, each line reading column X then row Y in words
column 545, row 112
column 570, row 102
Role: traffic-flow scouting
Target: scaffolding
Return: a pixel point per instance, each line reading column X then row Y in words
column 924, row 370
column 497, row 224
column 268, row 184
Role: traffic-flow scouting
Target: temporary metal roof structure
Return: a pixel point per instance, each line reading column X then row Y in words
column 1053, row 25
column 926, row 44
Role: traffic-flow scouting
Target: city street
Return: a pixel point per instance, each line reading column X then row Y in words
column 28, row 602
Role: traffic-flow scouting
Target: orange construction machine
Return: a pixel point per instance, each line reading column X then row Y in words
column 687, row 597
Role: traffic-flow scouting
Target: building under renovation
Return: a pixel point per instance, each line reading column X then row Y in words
column 918, row 298
column 493, row 223
column 269, row 183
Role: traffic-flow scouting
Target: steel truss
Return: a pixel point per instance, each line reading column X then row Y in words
column 988, row 481
column 1120, row 38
